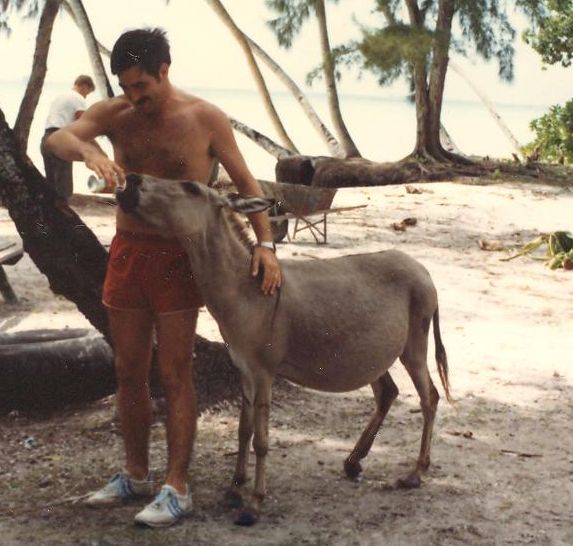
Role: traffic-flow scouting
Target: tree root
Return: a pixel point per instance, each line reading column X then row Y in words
column 420, row 166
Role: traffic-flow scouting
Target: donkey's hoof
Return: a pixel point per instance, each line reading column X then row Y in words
column 412, row 481
column 247, row 518
column 233, row 498
column 353, row 470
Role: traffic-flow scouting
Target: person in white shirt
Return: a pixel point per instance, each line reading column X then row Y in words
column 65, row 109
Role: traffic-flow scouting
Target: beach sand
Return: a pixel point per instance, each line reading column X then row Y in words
column 502, row 456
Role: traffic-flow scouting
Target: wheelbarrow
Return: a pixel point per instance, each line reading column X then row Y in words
column 306, row 205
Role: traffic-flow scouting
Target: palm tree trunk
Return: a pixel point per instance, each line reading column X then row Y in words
column 488, row 104
column 445, row 138
column 276, row 150
column 429, row 96
column 329, row 139
column 424, row 146
column 447, row 142
column 439, row 67
column 58, row 242
column 81, row 19
column 220, row 10
column 419, row 74
column 350, row 149
column 38, row 75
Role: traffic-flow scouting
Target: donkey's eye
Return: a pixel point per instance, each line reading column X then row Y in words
column 191, row 187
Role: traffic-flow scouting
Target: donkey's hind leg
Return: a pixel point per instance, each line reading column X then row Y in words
column 385, row 392
column 415, row 361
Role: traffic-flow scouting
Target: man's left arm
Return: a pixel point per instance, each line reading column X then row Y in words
column 225, row 148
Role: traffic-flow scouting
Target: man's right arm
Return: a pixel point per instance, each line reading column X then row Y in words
column 76, row 143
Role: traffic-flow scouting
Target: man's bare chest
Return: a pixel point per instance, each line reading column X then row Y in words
column 170, row 150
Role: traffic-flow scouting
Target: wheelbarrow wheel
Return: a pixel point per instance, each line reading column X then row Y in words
column 279, row 228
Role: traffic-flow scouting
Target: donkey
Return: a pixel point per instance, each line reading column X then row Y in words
column 335, row 325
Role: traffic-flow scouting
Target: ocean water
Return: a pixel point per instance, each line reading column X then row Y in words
column 382, row 127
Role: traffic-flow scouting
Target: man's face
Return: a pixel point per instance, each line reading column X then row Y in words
column 84, row 89
column 143, row 90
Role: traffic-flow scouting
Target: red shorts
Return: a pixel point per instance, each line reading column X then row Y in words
column 149, row 272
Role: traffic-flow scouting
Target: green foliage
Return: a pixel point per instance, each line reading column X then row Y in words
column 485, row 26
column 558, row 249
column 33, row 6
column 291, row 16
column 553, row 40
column 346, row 55
column 386, row 51
column 481, row 26
column 30, row 7
column 554, row 134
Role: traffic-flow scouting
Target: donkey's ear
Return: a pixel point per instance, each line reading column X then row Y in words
column 246, row 205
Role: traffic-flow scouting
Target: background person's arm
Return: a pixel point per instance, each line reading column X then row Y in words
column 76, row 142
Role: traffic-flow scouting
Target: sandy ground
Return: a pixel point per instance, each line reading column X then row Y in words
column 502, row 469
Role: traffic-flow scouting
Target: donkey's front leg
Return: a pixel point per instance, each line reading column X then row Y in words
column 233, row 495
column 250, row 514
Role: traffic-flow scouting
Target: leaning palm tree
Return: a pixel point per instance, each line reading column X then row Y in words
column 33, row 91
column 291, row 16
column 50, row 10
column 349, row 147
column 79, row 15
column 488, row 104
column 220, row 10
column 329, row 139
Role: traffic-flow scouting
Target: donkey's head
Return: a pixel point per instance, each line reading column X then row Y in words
column 180, row 207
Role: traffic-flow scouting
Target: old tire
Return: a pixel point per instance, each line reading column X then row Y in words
column 42, row 369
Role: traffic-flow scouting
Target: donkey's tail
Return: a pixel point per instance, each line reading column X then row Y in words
column 441, row 357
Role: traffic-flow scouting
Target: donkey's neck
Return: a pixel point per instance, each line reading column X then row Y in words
column 220, row 263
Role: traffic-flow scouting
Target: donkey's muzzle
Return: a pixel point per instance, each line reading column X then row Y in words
column 128, row 198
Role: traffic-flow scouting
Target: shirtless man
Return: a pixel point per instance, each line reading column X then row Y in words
column 160, row 130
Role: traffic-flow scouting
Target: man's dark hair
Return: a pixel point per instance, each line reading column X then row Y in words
column 147, row 48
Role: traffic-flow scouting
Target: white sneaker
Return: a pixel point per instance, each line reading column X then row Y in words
column 166, row 509
column 121, row 489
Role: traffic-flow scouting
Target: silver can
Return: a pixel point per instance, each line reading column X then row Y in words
column 95, row 184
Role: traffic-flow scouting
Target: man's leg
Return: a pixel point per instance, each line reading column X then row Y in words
column 59, row 176
column 175, row 334
column 131, row 331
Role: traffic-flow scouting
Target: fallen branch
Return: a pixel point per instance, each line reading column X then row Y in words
column 520, row 453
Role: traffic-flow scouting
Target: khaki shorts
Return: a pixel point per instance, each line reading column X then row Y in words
column 149, row 272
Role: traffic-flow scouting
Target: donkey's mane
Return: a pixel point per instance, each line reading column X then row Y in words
column 239, row 227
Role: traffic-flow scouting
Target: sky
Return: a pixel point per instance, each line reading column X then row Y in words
column 205, row 55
